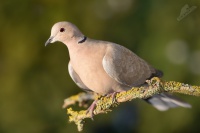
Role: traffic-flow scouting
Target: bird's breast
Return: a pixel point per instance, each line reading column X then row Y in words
column 88, row 65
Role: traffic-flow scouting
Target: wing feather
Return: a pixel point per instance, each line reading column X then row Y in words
column 126, row 67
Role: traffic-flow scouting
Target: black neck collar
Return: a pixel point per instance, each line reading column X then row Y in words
column 83, row 40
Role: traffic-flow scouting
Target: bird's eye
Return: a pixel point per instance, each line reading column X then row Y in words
column 62, row 29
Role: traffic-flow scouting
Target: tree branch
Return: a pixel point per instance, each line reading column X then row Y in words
column 104, row 103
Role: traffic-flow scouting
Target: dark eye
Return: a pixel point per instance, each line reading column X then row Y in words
column 62, row 29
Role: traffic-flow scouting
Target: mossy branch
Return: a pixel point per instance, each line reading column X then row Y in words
column 104, row 103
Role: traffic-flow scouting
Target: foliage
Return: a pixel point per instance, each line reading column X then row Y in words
column 34, row 79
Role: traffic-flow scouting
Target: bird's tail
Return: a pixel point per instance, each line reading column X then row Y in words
column 166, row 101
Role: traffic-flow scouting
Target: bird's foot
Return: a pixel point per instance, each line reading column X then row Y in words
column 112, row 95
column 90, row 110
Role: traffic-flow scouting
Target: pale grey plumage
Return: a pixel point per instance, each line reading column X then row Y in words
column 166, row 101
column 126, row 67
column 105, row 67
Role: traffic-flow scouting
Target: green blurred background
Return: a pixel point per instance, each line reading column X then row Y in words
column 34, row 79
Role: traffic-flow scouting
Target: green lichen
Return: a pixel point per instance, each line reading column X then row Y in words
column 105, row 104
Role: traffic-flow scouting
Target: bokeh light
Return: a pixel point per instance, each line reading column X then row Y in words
column 34, row 79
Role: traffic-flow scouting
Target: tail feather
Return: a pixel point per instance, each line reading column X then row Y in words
column 166, row 101
column 157, row 73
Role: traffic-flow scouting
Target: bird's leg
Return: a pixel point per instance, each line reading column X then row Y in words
column 112, row 96
column 91, row 109
column 93, row 105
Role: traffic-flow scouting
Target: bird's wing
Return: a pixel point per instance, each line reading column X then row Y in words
column 126, row 67
column 76, row 78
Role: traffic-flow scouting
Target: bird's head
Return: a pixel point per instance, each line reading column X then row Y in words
column 64, row 32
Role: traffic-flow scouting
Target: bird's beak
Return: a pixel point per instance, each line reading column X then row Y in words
column 49, row 41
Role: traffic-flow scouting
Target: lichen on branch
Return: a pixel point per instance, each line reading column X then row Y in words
column 105, row 103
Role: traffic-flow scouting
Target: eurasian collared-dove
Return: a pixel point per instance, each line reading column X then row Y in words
column 105, row 67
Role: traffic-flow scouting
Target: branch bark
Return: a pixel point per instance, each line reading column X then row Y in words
column 104, row 103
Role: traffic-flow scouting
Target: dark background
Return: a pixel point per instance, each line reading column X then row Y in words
column 34, row 79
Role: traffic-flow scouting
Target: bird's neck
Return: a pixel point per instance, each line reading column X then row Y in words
column 75, row 41
column 73, row 46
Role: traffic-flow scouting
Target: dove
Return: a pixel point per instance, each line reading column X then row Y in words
column 106, row 68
